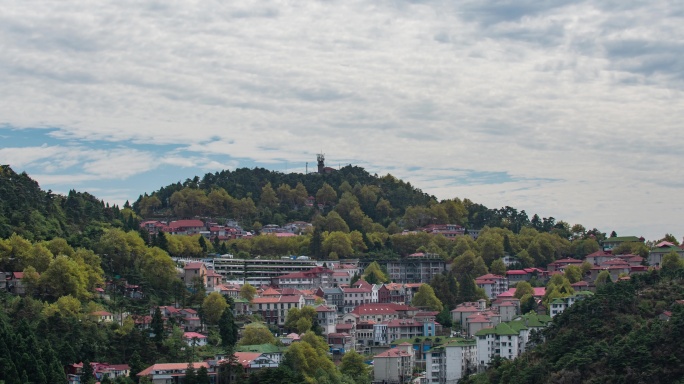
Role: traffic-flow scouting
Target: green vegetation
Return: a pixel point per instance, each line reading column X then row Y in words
column 615, row 336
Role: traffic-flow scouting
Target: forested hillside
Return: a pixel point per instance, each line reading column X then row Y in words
column 27, row 210
column 614, row 337
column 361, row 199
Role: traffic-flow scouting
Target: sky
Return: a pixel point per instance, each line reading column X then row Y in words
column 568, row 109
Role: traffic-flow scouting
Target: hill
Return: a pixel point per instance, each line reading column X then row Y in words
column 27, row 210
column 618, row 336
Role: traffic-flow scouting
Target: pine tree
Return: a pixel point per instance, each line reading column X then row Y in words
column 190, row 374
column 87, row 374
column 228, row 329
column 158, row 327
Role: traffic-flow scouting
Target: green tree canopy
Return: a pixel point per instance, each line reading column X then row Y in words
column 425, row 297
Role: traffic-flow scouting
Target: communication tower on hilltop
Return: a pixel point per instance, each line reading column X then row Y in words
column 321, row 162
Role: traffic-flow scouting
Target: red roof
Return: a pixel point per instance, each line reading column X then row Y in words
column 516, row 272
column 394, row 352
column 186, row 224
column 172, row 367
column 380, row 309
column 192, row 335
column 194, row 265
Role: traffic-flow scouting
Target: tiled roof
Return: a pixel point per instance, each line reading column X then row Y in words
column 192, row 335
column 394, row 352
column 171, row 367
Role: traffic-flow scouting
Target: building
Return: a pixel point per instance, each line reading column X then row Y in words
column 327, row 318
column 313, row 278
column 450, row 362
column 655, row 256
column 332, row 296
column 395, row 365
column 415, row 268
column 558, row 306
column 168, row 373
column 274, row 309
column 195, row 272
column 493, row 285
column 259, row 272
column 612, row 242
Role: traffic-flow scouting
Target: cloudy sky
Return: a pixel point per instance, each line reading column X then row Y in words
column 570, row 109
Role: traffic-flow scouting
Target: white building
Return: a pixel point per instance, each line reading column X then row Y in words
column 394, row 365
column 451, row 362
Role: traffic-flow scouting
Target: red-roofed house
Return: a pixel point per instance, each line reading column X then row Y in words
column 493, row 285
column 560, row 264
column 102, row 316
column 172, row 372
column 379, row 312
column 195, row 339
column 392, row 293
column 463, row 310
column 394, row 365
column 195, row 271
column 185, row 227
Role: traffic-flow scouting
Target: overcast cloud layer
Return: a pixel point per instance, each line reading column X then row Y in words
column 569, row 109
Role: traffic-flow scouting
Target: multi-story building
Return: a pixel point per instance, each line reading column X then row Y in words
column 395, row 365
column 274, row 309
column 493, row 285
column 416, row 268
column 332, row 296
column 450, row 362
column 259, row 271
column 313, row 278
column 327, row 318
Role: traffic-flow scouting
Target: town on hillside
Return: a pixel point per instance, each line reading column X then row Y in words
column 384, row 310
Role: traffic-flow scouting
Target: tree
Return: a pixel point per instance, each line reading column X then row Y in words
column 353, row 366
column 339, row 243
column 256, row 333
column 573, row 273
column 374, row 274
column 326, row 195
column 157, row 326
column 228, row 329
column 425, row 297
column 248, row 292
column 523, row 288
column 190, row 374
column 602, row 278
column 310, row 358
column 202, row 376
column 498, row 267
column 672, row 261
column 469, row 264
column 268, row 198
column 213, row 307
column 87, row 375
column 65, row 277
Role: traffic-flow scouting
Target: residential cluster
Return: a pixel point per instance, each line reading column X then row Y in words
column 406, row 343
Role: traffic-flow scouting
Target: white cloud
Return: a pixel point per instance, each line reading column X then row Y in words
column 585, row 92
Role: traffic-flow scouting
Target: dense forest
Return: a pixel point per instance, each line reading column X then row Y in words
column 617, row 336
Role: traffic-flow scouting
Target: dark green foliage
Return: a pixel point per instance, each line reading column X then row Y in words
column 228, row 329
column 202, row 376
column 24, row 357
column 157, row 327
column 613, row 337
column 190, row 374
column 35, row 214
